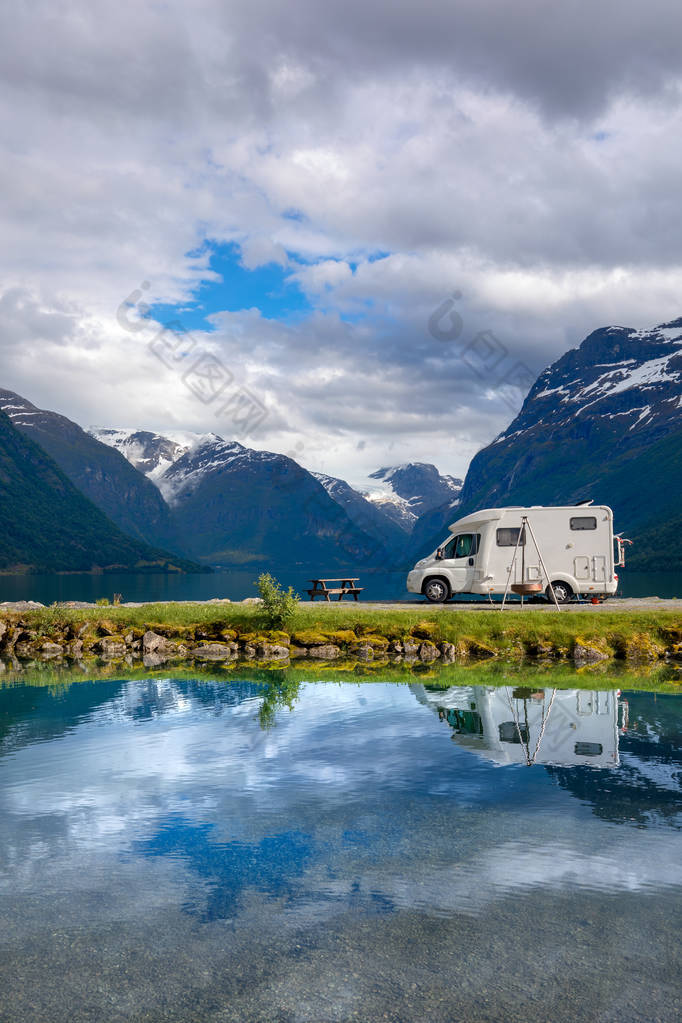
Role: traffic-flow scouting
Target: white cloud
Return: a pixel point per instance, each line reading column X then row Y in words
column 529, row 161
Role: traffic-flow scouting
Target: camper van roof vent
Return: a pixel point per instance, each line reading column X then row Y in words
column 580, row 504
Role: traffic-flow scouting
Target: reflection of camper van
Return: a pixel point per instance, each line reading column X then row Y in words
column 524, row 725
column 576, row 543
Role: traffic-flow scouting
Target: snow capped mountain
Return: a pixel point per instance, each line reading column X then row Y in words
column 603, row 422
column 235, row 505
column 177, row 462
column 209, row 454
column 404, row 492
column 367, row 515
column 152, row 453
column 634, row 376
column 103, row 475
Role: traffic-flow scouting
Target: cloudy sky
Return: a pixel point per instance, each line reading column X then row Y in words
column 378, row 221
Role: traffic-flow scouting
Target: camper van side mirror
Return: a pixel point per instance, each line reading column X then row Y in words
column 471, row 561
column 439, row 554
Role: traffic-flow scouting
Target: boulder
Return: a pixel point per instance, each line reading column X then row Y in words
column 272, row 651
column 110, row 646
column 584, row 653
column 328, row 652
column 49, row 649
column 428, row 652
column 152, row 643
column 213, row 652
column 447, row 652
column 362, row 651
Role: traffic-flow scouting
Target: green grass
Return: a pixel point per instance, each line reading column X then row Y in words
column 636, row 640
column 498, row 629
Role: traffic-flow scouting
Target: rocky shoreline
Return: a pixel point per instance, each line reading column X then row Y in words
column 73, row 634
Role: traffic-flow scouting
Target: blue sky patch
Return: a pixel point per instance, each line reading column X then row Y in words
column 267, row 288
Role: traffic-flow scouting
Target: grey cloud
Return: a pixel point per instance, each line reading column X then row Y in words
column 527, row 154
column 569, row 59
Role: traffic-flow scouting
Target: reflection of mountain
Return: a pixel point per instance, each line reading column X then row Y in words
column 639, row 738
column 518, row 725
column 648, row 781
column 30, row 714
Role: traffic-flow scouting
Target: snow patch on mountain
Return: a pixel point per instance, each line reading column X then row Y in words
column 151, row 453
column 406, row 491
column 177, row 461
column 210, row 454
column 616, row 371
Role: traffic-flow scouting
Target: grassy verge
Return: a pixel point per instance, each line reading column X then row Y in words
column 647, row 633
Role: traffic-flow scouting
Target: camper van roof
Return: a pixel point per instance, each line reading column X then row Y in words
column 492, row 514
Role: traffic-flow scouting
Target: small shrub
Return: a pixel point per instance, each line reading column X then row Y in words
column 279, row 606
column 102, row 602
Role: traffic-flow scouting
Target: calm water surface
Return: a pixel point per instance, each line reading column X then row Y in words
column 185, row 850
column 236, row 585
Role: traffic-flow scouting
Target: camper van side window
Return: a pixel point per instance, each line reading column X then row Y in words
column 509, row 537
column 584, row 522
column 466, row 545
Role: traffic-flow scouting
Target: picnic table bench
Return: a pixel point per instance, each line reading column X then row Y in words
column 321, row 589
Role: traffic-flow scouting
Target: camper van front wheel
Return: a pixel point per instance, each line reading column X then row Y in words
column 562, row 592
column 436, row 590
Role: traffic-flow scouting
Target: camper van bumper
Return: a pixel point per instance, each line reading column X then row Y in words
column 415, row 578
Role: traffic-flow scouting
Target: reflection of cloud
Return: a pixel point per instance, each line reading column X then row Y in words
column 512, row 868
column 363, row 776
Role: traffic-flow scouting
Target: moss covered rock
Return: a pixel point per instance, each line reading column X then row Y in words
column 425, row 630
column 310, row 637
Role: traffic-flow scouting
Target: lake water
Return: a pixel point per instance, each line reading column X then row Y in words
column 177, row 849
column 236, row 585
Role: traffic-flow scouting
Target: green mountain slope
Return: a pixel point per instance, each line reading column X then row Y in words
column 100, row 472
column 47, row 525
column 603, row 422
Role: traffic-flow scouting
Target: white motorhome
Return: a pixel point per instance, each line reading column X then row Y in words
column 575, row 543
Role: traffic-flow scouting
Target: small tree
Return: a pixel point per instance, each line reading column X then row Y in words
column 279, row 606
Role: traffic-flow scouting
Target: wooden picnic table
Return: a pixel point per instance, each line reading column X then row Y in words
column 321, row 589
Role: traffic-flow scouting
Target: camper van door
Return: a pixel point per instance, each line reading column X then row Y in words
column 460, row 560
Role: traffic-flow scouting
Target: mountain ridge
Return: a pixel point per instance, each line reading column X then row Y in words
column 602, row 422
column 48, row 525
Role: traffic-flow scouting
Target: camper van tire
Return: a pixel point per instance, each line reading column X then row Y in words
column 562, row 592
column 436, row 590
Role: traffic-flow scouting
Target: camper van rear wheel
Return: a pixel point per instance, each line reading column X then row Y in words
column 436, row 590
column 562, row 592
